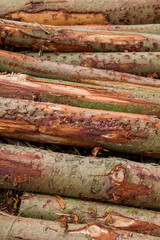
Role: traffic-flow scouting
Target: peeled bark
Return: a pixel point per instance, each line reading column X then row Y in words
column 78, row 211
column 139, row 99
column 136, row 63
column 110, row 179
column 15, row 228
column 14, row 62
column 79, row 11
column 67, row 125
column 48, row 38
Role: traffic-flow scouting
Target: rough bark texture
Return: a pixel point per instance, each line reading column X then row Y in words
column 18, row 228
column 64, row 12
column 139, row 99
column 48, row 38
column 62, row 124
column 136, row 63
column 14, row 62
column 110, row 179
column 78, row 211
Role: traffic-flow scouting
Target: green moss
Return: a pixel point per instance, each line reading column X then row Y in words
column 96, row 105
column 109, row 210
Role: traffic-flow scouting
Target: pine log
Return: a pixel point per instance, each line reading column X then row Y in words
column 78, row 211
column 141, row 99
column 67, row 125
column 14, row 62
column 48, row 38
column 140, row 63
column 82, row 12
column 15, row 228
column 114, row 180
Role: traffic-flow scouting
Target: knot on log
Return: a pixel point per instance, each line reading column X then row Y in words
column 96, row 232
column 117, row 174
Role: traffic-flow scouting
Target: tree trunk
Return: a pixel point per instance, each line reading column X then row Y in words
column 110, row 179
column 78, row 211
column 15, row 228
column 137, row 100
column 14, row 62
column 136, row 63
column 82, row 12
column 67, row 125
column 48, row 38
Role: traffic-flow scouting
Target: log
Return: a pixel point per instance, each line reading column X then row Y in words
column 77, row 211
column 139, row 99
column 135, row 63
column 111, row 179
column 82, row 12
column 15, row 62
column 67, row 125
column 14, row 228
column 140, row 28
column 48, row 38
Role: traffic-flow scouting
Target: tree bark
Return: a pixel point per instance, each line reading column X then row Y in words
column 138, row 100
column 15, row 228
column 67, row 125
column 136, row 63
column 14, row 62
column 77, row 12
column 78, row 211
column 110, row 179
column 141, row 28
column 48, row 38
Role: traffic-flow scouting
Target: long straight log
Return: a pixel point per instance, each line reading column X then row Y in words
column 48, row 38
column 13, row 227
column 141, row 99
column 140, row 63
column 110, row 179
column 82, row 12
column 141, row 28
column 14, row 62
column 62, row 124
column 78, row 211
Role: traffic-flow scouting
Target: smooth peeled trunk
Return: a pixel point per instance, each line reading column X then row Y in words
column 48, row 38
column 78, row 211
column 15, row 228
column 67, row 125
column 112, row 179
column 15, row 62
column 140, row 99
column 82, row 12
column 143, row 63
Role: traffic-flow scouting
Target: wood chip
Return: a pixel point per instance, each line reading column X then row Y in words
column 61, row 202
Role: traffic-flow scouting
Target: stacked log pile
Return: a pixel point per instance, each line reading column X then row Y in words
column 80, row 74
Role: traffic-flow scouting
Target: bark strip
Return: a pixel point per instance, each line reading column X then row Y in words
column 15, row 62
column 114, row 180
column 140, row 99
column 48, row 38
column 15, row 228
column 143, row 63
column 78, row 211
column 80, row 12
column 67, row 125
